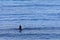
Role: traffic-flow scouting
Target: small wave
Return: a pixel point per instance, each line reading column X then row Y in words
column 43, row 28
column 39, row 28
column 15, row 0
column 9, row 29
column 41, row 36
column 30, row 20
column 21, row 0
column 17, row 14
column 29, row 5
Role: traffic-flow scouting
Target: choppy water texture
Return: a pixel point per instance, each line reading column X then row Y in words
column 40, row 19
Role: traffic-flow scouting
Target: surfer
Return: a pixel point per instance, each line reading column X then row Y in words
column 20, row 28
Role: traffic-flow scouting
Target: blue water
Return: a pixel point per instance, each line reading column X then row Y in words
column 40, row 19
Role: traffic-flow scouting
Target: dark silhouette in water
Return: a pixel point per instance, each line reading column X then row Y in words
column 20, row 28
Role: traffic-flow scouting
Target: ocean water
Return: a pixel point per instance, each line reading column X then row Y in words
column 40, row 19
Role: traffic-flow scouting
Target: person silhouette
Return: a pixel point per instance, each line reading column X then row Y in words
column 20, row 28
